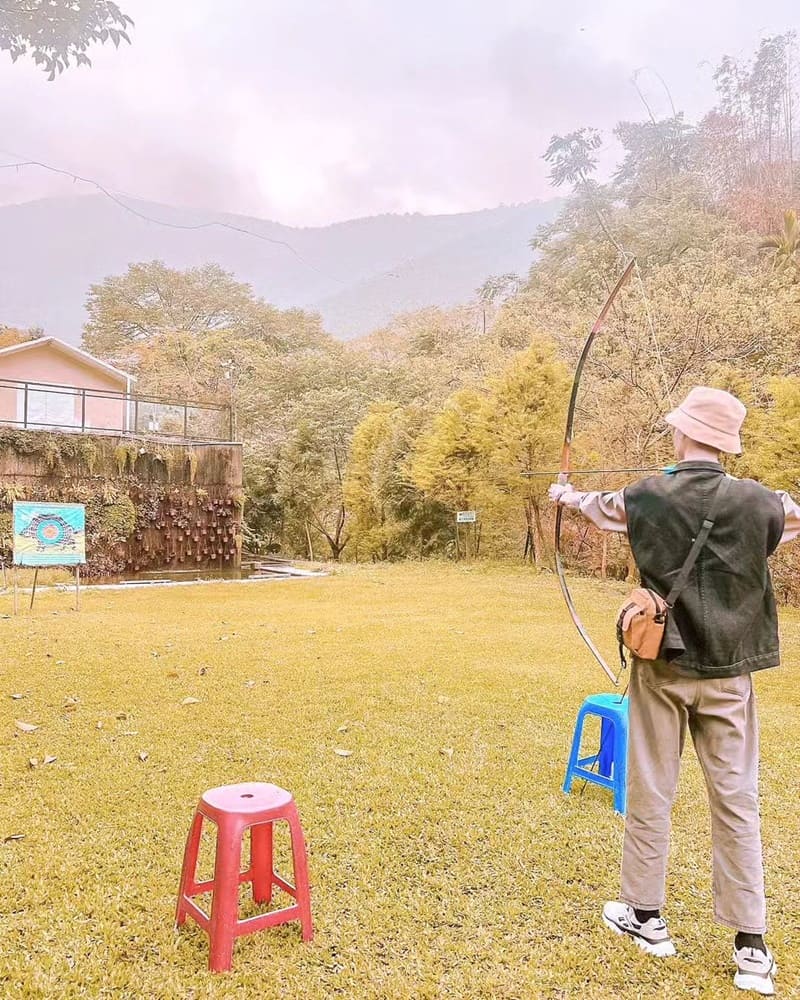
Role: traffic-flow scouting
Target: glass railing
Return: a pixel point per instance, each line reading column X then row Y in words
column 46, row 406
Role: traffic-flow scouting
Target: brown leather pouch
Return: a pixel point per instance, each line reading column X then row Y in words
column 641, row 622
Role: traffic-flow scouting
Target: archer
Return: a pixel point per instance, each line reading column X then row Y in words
column 722, row 628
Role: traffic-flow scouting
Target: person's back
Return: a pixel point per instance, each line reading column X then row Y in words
column 726, row 615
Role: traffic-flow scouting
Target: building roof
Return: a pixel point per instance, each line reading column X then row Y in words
column 75, row 352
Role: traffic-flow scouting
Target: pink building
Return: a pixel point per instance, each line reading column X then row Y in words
column 47, row 384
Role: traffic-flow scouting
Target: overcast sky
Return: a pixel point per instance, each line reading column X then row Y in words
column 312, row 111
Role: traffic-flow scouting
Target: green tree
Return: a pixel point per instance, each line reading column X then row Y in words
column 772, row 455
column 747, row 142
column 523, row 428
column 10, row 336
column 297, row 394
column 127, row 311
column 784, row 246
column 368, row 487
column 391, row 517
column 572, row 156
column 310, row 487
column 59, row 33
column 773, row 436
column 655, row 153
column 449, row 462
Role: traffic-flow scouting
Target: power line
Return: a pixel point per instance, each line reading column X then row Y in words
column 27, row 162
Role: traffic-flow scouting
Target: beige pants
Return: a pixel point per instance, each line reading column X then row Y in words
column 721, row 716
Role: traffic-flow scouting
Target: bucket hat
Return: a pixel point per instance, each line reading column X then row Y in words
column 710, row 416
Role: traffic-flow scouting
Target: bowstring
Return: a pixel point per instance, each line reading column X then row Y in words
column 665, row 384
column 627, row 255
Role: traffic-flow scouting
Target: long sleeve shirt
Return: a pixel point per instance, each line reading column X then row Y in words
column 606, row 510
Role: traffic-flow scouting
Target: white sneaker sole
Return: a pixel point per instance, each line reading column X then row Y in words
column 664, row 949
column 757, row 984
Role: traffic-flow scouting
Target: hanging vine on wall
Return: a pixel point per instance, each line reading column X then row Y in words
column 143, row 506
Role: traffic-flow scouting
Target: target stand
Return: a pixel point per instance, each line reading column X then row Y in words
column 49, row 534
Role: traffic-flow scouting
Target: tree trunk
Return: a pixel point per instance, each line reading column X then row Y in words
column 631, row 577
column 527, row 552
column 310, row 546
column 541, row 546
column 336, row 542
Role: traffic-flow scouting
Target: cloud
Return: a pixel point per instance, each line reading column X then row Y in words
column 312, row 112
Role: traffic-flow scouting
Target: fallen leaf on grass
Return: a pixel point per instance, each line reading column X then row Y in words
column 25, row 727
column 143, row 755
column 343, row 753
column 190, row 701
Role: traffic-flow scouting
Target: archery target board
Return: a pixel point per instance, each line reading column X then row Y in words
column 49, row 534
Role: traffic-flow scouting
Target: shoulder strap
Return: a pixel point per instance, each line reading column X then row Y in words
column 699, row 542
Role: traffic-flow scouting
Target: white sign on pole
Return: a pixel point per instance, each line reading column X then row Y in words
column 466, row 516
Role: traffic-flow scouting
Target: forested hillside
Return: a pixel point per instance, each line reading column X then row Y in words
column 356, row 274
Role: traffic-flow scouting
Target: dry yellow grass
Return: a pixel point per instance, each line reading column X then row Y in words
column 445, row 860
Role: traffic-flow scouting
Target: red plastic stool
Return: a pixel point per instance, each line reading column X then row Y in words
column 234, row 808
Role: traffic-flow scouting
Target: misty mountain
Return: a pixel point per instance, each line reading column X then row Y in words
column 357, row 274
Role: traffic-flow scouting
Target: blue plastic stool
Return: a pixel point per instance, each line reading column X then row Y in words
column 611, row 758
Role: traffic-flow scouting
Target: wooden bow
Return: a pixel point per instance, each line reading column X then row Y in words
column 563, row 476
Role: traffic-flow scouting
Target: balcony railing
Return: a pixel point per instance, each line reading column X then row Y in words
column 47, row 406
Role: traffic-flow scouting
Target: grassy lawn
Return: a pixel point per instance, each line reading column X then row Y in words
column 445, row 860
